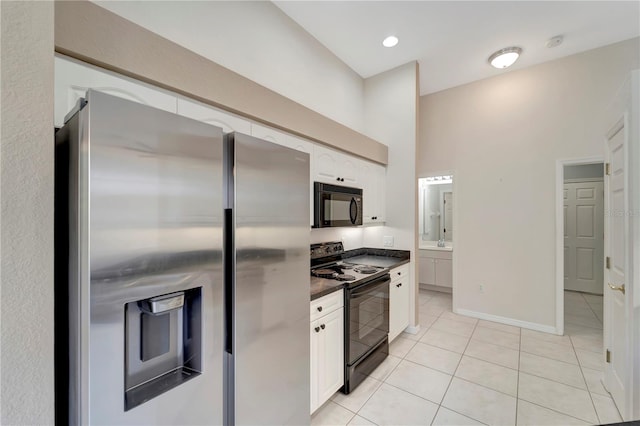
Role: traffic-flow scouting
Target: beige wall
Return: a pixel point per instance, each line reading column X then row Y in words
column 26, row 222
column 502, row 137
column 114, row 43
column 258, row 41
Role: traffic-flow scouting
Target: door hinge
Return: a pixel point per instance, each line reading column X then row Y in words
column 607, row 169
column 608, row 356
column 607, row 262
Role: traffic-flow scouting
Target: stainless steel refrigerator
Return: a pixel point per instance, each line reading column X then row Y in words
column 181, row 271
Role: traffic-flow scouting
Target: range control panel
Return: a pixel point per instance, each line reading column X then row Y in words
column 326, row 249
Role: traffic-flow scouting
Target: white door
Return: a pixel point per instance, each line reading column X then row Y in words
column 584, row 236
column 448, row 216
column 616, row 317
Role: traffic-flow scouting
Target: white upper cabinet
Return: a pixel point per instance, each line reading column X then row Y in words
column 373, row 178
column 208, row 114
column 335, row 167
column 72, row 80
column 281, row 138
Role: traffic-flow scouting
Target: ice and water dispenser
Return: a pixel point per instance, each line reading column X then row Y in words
column 163, row 344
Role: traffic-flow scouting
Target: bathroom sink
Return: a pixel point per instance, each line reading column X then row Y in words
column 433, row 245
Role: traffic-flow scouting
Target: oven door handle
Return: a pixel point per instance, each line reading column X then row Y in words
column 369, row 286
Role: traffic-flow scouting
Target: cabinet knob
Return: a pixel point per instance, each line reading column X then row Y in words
column 338, row 179
column 319, row 308
column 399, row 285
column 317, row 329
column 322, row 326
column 399, row 273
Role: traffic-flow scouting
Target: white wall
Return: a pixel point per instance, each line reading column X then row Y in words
column 501, row 137
column 26, row 222
column 351, row 237
column 260, row 42
column 390, row 117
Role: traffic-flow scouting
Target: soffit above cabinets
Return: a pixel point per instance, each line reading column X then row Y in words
column 116, row 44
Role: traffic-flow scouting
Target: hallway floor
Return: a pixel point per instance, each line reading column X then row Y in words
column 463, row 371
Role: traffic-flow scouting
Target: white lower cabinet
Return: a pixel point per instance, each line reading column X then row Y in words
column 399, row 297
column 327, row 353
column 435, row 268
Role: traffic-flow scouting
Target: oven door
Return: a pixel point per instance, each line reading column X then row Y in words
column 337, row 206
column 368, row 317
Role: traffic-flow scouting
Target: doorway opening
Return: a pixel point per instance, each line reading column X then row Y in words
column 580, row 248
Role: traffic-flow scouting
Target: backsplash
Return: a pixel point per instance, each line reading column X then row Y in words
column 351, row 237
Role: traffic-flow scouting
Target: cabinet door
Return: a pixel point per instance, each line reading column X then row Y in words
column 427, row 271
column 398, row 307
column 443, row 272
column 290, row 141
column 349, row 170
column 314, row 360
column 326, row 165
column 330, row 355
column 369, row 192
column 372, row 180
column 73, row 79
column 380, row 173
column 208, row 114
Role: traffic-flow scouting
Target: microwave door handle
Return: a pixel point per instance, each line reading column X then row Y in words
column 353, row 210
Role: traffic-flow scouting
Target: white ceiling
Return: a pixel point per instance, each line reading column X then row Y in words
column 453, row 39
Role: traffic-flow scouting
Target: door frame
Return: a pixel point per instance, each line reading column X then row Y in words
column 623, row 113
column 560, row 164
column 455, row 185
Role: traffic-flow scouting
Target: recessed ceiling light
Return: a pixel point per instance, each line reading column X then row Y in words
column 390, row 41
column 504, row 58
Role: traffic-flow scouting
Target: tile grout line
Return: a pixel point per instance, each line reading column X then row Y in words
column 453, row 375
column 593, row 404
column 384, row 381
column 554, row 410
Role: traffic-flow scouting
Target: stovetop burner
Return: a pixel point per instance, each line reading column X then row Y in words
column 324, row 273
column 344, row 277
column 329, row 264
column 365, row 269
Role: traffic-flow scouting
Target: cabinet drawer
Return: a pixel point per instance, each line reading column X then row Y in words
column 326, row 304
column 400, row 272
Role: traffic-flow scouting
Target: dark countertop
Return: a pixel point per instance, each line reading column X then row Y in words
column 321, row 287
column 383, row 258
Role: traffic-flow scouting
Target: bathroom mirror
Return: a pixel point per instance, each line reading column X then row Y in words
column 435, row 205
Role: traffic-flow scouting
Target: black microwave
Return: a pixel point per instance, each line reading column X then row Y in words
column 336, row 205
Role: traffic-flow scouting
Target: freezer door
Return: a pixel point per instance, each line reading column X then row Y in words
column 145, row 274
column 271, row 311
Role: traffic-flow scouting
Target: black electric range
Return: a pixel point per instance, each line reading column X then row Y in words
column 366, row 309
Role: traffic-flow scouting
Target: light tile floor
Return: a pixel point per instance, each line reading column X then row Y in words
column 462, row 371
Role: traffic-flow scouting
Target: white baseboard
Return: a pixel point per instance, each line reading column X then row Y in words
column 436, row 288
column 413, row 329
column 508, row 321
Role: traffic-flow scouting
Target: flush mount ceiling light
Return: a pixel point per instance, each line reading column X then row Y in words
column 390, row 41
column 504, row 58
